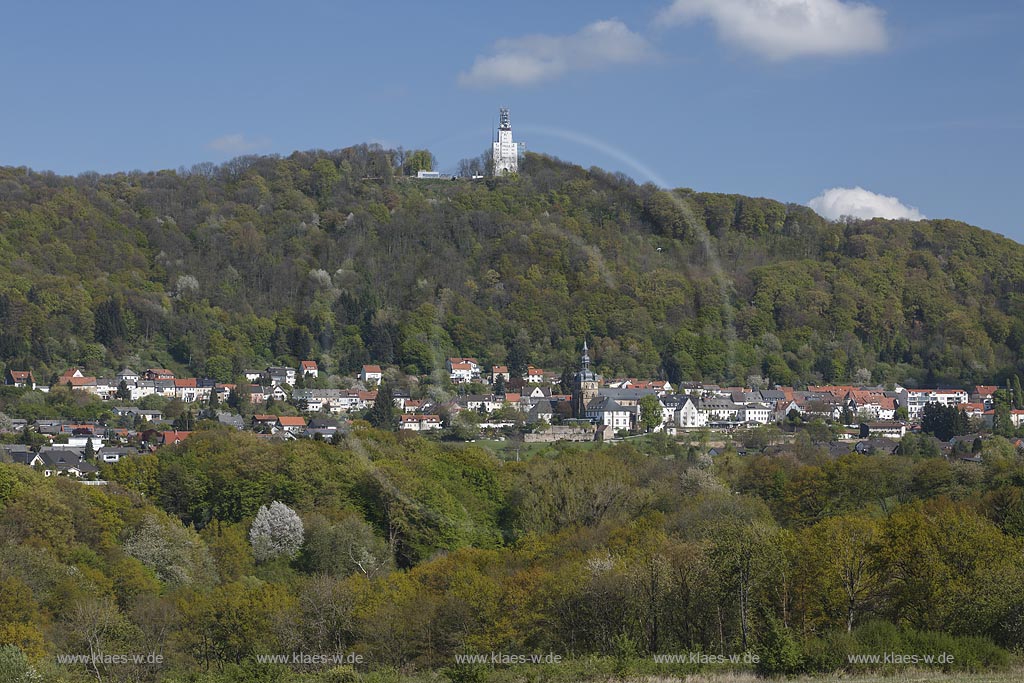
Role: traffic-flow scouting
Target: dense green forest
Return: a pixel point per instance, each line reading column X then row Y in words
column 408, row 551
column 411, row 552
column 338, row 257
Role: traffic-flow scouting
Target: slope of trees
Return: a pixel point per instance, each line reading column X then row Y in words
column 413, row 551
column 338, row 257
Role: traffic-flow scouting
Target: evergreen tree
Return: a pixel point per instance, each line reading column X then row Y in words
column 1002, row 422
column 499, row 386
column 518, row 357
column 123, row 392
column 567, row 379
column 1018, row 395
column 382, row 413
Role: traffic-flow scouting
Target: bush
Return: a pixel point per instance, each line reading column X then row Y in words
column 338, row 674
column 777, row 650
column 15, row 667
column 828, row 653
column 466, row 673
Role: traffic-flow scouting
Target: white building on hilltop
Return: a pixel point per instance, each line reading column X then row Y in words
column 505, row 152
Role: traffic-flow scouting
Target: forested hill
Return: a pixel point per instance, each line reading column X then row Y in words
column 337, row 257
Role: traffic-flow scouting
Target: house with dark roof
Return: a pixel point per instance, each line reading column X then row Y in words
column 605, row 410
column 110, row 454
column 230, row 420
column 65, row 462
column 20, row 378
column 18, row 454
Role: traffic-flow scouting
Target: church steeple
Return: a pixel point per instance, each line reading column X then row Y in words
column 585, row 384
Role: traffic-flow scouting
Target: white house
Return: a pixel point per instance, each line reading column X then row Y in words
column 420, row 423
column 309, row 368
column 688, row 416
column 371, row 375
column 534, row 375
column 719, row 409
column 281, row 375
column 460, row 373
column 883, row 429
column 606, row 411
column 755, row 412
column 917, row 399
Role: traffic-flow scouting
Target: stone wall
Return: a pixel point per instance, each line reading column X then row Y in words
column 562, row 433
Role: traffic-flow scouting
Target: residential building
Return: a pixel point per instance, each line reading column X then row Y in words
column 291, row 424
column 917, row 399
column 689, row 416
column 20, row 378
column 420, row 423
column 371, row 375
column 279, row 375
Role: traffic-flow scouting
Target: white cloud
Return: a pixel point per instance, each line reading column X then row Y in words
column 783, row 29
column 531, row 59
column 237, row 143
column 861, row 203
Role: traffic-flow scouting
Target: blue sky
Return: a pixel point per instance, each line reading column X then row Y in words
column 919, row 101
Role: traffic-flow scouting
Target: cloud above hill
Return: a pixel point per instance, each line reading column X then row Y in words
column 237, row 143
column 527, row 60
column 784, row 29
column 860, row 203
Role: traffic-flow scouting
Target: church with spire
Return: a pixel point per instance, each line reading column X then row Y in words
column 585, row 386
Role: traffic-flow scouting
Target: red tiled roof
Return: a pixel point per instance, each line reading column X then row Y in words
column 173, row 437
column 288, row 421
column 367, row 369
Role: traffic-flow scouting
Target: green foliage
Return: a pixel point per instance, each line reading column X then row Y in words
column 382, row 413
column 218, row 269
column 944, row 422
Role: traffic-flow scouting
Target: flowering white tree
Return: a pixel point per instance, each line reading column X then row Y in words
column 174, row 552
column 276, row 531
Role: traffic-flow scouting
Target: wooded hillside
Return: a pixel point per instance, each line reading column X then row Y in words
column 334, row 256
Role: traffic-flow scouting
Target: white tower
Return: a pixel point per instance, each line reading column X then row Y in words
column 505, row 152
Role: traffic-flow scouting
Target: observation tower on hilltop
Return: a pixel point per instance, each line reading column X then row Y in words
column 504, row 151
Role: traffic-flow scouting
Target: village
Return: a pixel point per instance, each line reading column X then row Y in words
column 494, row 403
